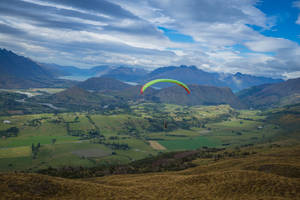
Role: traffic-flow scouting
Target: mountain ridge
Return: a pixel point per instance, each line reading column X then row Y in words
column 271, row 95
column 18, row 71
column 200, row 94
column 21, row 72
column 193, row 75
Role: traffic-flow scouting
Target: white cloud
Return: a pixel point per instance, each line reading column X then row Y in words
column 291, row 75
column 125, row 32
column 297, row 5
column 298, row 20
column 270, row 44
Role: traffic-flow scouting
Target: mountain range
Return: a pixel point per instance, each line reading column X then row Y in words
column 127, row 74
column 63, row 71
column 103, row 84
column 207, row 88
column 193, row 75
column 202, row 95
column 21, row 72
column 107, row 91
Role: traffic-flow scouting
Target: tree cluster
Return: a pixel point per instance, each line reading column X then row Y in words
column 163, row 162
column 35, row 150
column 10, row 132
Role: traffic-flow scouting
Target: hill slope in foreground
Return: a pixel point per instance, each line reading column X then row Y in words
column 271, row 173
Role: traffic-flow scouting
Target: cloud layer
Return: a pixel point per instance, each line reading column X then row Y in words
column 87, row 33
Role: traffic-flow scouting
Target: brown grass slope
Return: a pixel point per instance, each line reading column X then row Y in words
column 272, row 173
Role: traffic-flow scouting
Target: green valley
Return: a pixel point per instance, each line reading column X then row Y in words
column 90, row 139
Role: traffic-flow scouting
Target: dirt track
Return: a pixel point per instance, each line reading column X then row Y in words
column 156, row 145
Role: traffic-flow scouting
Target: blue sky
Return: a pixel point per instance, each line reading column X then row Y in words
column 175, row 36
column 258, row 37
column 285, row 15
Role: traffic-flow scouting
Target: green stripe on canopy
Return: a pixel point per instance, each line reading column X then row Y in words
column 165, row 80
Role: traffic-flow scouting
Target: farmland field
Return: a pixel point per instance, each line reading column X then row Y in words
column 190, row 143
column 90, row 139
column 24, row 151
column 156, row 145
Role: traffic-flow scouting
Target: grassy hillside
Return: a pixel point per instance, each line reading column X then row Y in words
column 222, row 153
column 272, row 172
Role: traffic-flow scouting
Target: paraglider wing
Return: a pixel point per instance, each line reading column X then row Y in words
column 165, row 80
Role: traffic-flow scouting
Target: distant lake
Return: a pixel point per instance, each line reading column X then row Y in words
column 131, row 83
column 83, row 78
column 76, row 78
column 134, row 83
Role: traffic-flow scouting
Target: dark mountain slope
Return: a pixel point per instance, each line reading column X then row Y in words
column 102, row 84
column 59, row 70
column 200, row 95
column 271, row 95
column 116, row 88
column 78, row 99
column 193, row 75
column 133, row 93
column 75, row 95
column 100, row 70
column 241, row 81
column 20, row 72
column 13, row 65
column 188, row 75
column 127, row 74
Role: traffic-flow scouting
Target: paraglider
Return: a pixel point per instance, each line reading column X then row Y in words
column 165, row 80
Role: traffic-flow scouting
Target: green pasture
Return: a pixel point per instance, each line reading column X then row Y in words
column 190, row 143
column 64, row 154
column 68, row 117
column 251, row 114
column 234, row 133
column 57, row 155
column 82, row 124
column 177, row 134
column 109, row 125
column 28, row 141
column 113, row 125
column 210, row 112
column 45, row 129
column 43, row 132
column 24, row 151
column 139, row 149
column 235, row 124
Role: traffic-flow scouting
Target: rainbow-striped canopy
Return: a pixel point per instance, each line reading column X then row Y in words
column 165, row 80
